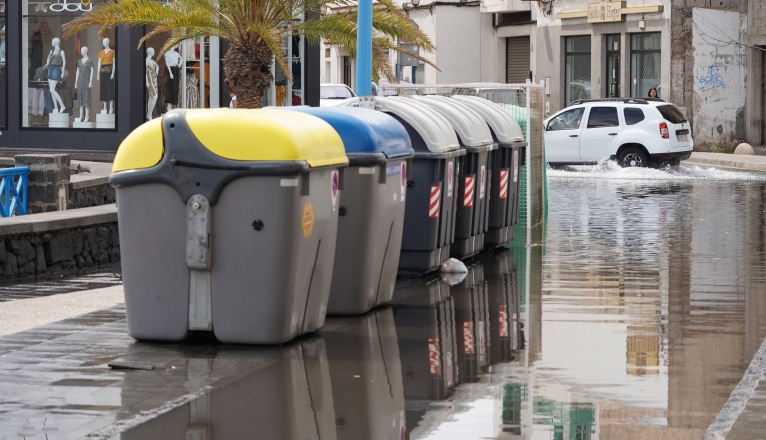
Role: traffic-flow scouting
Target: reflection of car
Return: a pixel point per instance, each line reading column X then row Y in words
column 634, row 131
column 331, row 95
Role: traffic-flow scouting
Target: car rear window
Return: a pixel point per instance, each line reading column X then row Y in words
column 603, row 117
column 633, row 115
column 672, row 114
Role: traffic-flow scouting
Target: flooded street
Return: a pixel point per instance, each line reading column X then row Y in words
column 635, row 319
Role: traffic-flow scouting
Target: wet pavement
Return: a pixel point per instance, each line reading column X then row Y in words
column 635, row 319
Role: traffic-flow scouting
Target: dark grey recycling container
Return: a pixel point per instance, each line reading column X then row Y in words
column 227, row 224
column 473, row 179
column 506, row 162
column 371, row 213
column 429, row 219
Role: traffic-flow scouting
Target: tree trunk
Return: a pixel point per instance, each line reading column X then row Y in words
column 246, row 66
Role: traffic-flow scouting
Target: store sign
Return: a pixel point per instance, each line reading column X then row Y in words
column 72, row 6
column 604, row 12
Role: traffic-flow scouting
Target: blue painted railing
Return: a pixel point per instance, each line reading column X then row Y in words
column 13, row 191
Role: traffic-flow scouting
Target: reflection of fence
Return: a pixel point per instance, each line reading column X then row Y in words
column 524, row 102
column 13, row 193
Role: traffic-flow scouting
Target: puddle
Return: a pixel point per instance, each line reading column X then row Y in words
column 610, row 170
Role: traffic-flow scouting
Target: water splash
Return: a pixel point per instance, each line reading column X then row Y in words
column 610, row 170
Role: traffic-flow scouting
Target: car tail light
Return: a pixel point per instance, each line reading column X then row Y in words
column 664, row 130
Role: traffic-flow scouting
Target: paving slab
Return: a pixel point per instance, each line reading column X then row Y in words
column 51, row 221
column 98, row 175
column 754, row 163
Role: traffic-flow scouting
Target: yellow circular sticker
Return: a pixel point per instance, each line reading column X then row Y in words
column 307, row 221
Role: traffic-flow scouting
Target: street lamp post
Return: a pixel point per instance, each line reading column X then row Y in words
column 364, row 49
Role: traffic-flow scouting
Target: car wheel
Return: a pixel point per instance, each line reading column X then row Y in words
column 632, row 157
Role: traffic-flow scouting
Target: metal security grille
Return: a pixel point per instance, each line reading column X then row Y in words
column 347, row 71
column 516, row 59
column 577, row 68
column 645, row 60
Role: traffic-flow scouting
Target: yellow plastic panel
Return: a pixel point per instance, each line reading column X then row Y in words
column 143, row 148
column 267, row 135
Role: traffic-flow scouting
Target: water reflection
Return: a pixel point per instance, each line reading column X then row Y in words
column 635, row 320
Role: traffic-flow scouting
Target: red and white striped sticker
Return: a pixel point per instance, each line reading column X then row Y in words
column 433, row 356
column 468, row 192
column 468, row 345
column 503, row 318
column 504, row 183
column 434, row 201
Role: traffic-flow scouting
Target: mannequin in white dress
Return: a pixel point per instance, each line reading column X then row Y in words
column 152, row 71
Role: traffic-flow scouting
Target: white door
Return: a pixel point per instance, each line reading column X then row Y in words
column 600, row 134
column 562, row 137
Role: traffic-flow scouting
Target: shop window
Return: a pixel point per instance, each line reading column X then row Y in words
column 645, row 59
column 3, row 70
column 577, row 83
column 612, row 66
column 185, row 76
column 67, row 82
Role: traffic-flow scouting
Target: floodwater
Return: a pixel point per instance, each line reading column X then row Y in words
column 634, row 319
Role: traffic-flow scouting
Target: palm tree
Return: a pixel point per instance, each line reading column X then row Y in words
column 255, row 30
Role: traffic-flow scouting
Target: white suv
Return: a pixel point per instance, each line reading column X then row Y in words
column 636, row 132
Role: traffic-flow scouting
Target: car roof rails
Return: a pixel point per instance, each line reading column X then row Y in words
column 644, row 101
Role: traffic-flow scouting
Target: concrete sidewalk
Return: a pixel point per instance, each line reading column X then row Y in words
column 751, row 163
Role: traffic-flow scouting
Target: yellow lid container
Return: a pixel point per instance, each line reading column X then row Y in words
column 240, row 135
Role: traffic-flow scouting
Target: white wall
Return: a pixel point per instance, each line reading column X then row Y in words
column 719, row 72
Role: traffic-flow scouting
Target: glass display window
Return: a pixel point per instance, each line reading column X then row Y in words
column 284, row 91
column 186, row 76
column 3, row 70
column 67, row 82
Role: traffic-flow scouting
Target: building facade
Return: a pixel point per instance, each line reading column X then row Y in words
column 90, row 90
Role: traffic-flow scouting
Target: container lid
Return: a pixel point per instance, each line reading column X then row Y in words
column 363, row 130
column 504, row 127
column 470, row 127
column 437, row 134
column 240, row 135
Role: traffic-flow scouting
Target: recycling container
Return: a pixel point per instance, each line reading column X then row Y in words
column 367, row 392
column 429, row 227
column 227, row 224
column 473, row 183
column 504, row 171
column 372, row 210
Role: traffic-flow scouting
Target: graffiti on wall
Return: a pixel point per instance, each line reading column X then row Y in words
column 713, row 80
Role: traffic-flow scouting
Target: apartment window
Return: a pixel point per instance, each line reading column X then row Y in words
column 612, row 82
column 347, row 71
column 577, row 68
column 645, row 63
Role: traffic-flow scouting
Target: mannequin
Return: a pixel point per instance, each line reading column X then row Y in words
column 173, row 63
column 83, row 83
column 107, row 67
column 56, row 63
column 152, row 70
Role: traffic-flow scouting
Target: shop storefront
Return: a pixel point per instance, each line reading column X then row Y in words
column 88, row 91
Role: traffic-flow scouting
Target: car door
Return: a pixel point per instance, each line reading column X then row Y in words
column 601, row 133
column 562, row 136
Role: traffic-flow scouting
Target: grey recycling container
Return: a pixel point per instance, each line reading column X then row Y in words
column 372, row 210
column 227, row 224
column 366, row 376
column 429, row 219
column 506, row 162
column 473, row 180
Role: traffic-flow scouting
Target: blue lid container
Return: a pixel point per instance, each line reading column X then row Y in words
column 364, row 131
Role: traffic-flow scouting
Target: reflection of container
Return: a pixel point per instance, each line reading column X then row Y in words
column 425, row 324
column 471, row 325
column 372, row 208
column 429, row 227
column 473, row 180
column 506, row 160
column 367, row 393
column 503, row 308
column 258, row 268
column 285, row 394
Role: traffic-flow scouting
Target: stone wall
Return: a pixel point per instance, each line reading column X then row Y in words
column 90, row 196
column 48, row 184
column 63, row 250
